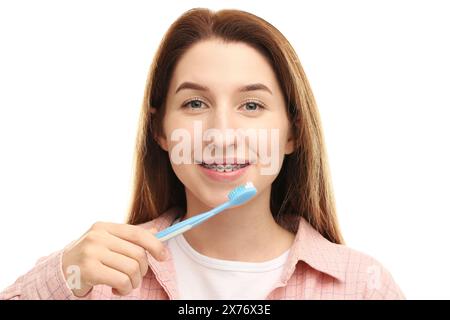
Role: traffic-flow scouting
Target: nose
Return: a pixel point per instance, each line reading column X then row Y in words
column 220, row 126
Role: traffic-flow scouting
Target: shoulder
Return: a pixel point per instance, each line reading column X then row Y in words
column 352, row 268
column 375, row 280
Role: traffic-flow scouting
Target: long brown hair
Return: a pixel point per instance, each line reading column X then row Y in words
column 303, row 186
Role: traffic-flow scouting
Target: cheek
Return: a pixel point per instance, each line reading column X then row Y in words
column 174, row 122
column 272, row 145
column 179, row 133
column 283, row 126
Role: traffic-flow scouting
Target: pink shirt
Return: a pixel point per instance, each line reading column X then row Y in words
column 315, row 269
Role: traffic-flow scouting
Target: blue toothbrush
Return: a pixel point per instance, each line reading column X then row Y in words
column 237, row 196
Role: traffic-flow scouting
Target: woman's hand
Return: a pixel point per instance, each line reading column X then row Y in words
column 114, row 255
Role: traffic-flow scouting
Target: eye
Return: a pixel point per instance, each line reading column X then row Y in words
column 252, row 106
column 194, row 104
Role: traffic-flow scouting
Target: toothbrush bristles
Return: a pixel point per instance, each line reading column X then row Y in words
column 238, row 190
column 249, row 185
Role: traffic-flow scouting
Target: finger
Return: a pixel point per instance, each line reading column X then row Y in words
column 124, row 264
column 130, row 250
column 113, row 278
column 138, row 236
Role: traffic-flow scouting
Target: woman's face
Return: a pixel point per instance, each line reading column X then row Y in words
column 220, row 134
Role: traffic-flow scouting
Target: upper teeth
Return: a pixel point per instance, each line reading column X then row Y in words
column 222, row 168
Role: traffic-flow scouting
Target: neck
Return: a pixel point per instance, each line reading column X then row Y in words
column 246, row 233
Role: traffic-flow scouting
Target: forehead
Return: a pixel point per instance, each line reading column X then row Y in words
column 222, row 65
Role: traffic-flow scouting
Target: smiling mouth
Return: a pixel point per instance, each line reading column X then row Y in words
column 223, row 167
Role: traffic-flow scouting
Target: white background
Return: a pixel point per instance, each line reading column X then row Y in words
column 72, row 77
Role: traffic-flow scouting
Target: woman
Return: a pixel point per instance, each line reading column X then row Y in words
column 214, row 72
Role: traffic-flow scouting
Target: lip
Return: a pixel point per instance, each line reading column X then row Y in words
column 223, row 161
column 224, row 176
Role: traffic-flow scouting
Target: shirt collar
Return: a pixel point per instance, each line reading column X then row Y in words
column 318, row 252
column 309, row 246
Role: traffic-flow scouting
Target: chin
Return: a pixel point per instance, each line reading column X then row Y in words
column 213, row 200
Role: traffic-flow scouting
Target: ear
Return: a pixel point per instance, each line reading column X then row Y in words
column 290, row 144
column 161, row 140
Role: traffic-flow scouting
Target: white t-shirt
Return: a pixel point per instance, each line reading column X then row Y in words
column 202, row 277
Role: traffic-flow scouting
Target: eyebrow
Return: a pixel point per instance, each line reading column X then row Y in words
column 246, row 88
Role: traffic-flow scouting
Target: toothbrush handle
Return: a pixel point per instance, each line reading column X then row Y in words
column 176, row 229
column 172, row 234
column 211, row 213
column 185, row 225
